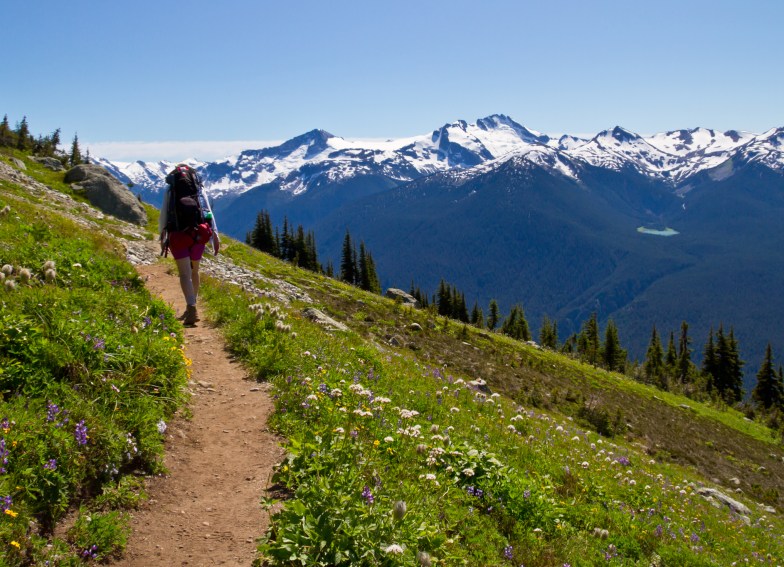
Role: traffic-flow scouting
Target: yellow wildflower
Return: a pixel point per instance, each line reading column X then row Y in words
column 376, row 443
column 11, row 513
column 16, row 544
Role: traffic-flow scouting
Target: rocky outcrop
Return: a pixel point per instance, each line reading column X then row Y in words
column 50, row 163
column 106, row 193
column 402, row 296
column 318, row 317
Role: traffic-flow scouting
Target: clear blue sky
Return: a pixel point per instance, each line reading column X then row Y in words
column 117, row 71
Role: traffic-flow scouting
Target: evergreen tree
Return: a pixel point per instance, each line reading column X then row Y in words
column 653, row 366
column 547, row 337
column 477, row 317
column 444, row 299
column 348, row 266
column 330, row 271
column 709, row 362
column 769, row 391
column 23, row 139
column 588, row 341
column 492, row 318
column 671, row 358
column 684, row 364
column 368, row 279
column 613, row 356
column 6, row 136
column 515, row 325
column 76, row 154
column 734, row 371
column 54, row 141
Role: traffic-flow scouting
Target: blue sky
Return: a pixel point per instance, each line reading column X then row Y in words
column 253, row 71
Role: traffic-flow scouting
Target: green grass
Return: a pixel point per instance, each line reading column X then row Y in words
column 90, row 370
column 501, row 482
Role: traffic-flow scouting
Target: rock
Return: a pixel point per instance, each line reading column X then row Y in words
column 717, row 496
column 416, row 327
column 50, row 163
column 396, row 341
column 106, row 193
column 317, row 316
column 18, row 163
column 405, row 298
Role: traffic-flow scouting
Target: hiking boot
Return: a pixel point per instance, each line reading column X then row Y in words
column 190, row 316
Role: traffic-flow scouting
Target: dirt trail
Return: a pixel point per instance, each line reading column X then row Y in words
column 206, row 510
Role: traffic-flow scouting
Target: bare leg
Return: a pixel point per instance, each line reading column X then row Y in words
column 186, row 280
column 195, row 278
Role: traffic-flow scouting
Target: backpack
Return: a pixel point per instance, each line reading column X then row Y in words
column 184, row 211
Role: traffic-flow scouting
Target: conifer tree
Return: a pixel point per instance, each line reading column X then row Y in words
column 492, row 318
column 684, row 365
column 588, row 341
column 547, row 336
column 613, row 355
column 76, row 154
column 653, row 366
column 709, row 362
column 5, row 132
column 477, row 317
column 444, row 299
column 515, row 325
column 769, row 391
column 23, row 135
column 671, row 358
column 367, row 271
column 348, row 266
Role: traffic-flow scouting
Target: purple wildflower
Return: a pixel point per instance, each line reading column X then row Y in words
column 6, row 502
column 90, row 552
column 624, row 461
column 51, row 411
column 508, row 552
column 51, row 465
column 3, row 455
column 367, row 495
column 527, row 494
column 80, row 433
column 147, row 322
column 323, row 388
column 99, row 344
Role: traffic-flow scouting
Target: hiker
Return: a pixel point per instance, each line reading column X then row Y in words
column 186, row 225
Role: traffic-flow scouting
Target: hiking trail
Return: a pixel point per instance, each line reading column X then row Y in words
column 206, row 510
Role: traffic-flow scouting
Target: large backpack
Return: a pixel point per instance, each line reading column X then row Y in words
column 184, row 208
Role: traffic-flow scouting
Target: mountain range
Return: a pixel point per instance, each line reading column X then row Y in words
column 646, row 230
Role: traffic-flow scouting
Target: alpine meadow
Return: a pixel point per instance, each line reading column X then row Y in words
column 484, row 347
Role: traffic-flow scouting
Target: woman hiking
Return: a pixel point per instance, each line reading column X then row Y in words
column 186, row 225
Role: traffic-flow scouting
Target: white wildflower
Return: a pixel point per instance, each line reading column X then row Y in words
column 389, row 439
column 454, row 410
column 393, row 549
column 468, row 472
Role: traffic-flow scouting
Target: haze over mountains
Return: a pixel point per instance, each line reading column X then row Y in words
column 683, row 225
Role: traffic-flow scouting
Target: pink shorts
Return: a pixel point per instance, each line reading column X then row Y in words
column 183, row 245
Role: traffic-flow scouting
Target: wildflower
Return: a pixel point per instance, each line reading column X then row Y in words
column 367, row 495
column 468, row 472
column 6, row 502
column 16, row 544
column 454, row 410
column 7, row 269
column 161, row 427
column 339, row 430
column 51, row 411
column 11, row 513
column 49, row 265
column 80, row 433
column 51, row 465
column 25, row 275
column 424, row 559
column 5, row 210
column 393, row 549
column 508, row 552
column 10, row 285
column 389, row 439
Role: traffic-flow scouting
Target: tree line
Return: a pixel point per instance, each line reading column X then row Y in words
column 20, row 138
column 299, row 248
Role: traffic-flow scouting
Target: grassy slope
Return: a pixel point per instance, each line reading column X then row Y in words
column 676, row 446
column 89, row 371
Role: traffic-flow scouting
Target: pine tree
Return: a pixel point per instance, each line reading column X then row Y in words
column 769, row 391
column 515, row 325
column 6, row 138
column 671, row 358
column 653, row 366
column 444, row 299
column 347, row 265
column 76, row 154
column 709, row 362
column 492, row 318
column 613, row 356
column 368, row 279
column 684, row 365
column 547, row 337
column 477, row 317
column 23, row 139
column 588, row 341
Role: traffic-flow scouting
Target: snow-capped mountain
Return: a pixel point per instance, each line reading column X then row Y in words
column 317, row 157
